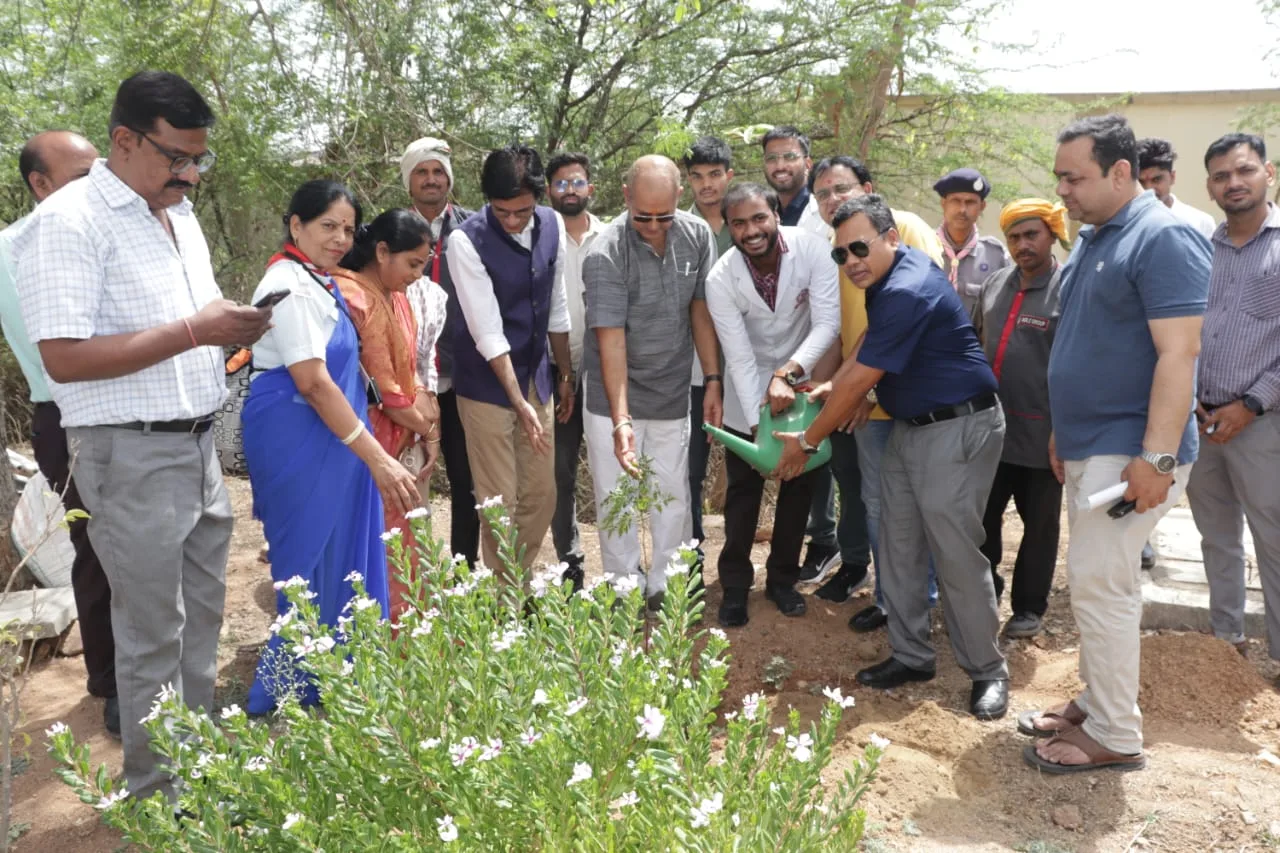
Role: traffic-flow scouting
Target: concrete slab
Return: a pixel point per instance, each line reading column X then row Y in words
column 1175, row 593
column 36, row 614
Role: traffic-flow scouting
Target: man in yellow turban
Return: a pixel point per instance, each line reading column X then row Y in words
column 1016, row 316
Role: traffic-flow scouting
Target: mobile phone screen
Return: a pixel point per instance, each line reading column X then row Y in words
column 273, row 298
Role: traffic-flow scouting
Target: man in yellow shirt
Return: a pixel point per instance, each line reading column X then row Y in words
column 856, row 449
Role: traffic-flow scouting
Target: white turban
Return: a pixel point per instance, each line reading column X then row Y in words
column 422, row 150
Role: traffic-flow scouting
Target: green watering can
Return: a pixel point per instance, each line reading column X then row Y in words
column 764, row 454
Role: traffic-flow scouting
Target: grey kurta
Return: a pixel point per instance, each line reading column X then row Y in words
column 1023, row 368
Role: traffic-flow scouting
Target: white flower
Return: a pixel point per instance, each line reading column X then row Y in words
column 585, row 594
column 718, row 634
column 879, row 742
column 348, row 668
column 834, row 694
column 496, row 500
column 447, row 829
column 290, row 821
column 691, row 545
column 111, row 799
column 167, row 693
column 712, row 805
column 801, row 747
column 731, row 716
column 492, row 750
column 699, row 818
column 422, row 628
column 625, row 584
column 735, row 820
column 575, row 706
column 630, row 798
column 651, row 723
column 530, row 737
column 231, row 711
column 362, row 602
column 384, row 779
column 255, row 764
column 291, row 583
column 677, row 566
column 417, row 512
column 313, row 644
column 539, row 697
column 581, row 773
column 686, row 684
column 429, row 743
column 56, row 729
column 393, row 533
column 354, row 577
column 750, row 704
column 283, row 619
column 460, row 752
column 459, row 559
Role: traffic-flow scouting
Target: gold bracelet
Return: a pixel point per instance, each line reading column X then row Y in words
column 355, row 433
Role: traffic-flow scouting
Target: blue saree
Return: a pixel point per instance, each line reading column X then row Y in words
column 320, row 510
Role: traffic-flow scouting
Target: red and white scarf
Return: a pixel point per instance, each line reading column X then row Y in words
column 954, row 256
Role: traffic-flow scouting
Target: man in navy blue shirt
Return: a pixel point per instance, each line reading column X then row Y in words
column 1121, row 393
column 922, row 357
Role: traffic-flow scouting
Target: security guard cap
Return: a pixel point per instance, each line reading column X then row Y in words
column 963, row 181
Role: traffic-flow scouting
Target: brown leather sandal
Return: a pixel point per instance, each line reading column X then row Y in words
column 1100, row 758
column 1068, row 718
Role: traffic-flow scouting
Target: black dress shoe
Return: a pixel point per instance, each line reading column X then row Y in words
column 868, row 619
column 575, row 576
column 790, row 602
column 892, row 673
column 111, row 716
column 843, row 584
column 733, row 609
column 1148, row 556
column 989, row 699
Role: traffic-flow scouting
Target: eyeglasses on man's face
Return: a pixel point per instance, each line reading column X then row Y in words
column 577, row 185
column 179, row 163
column 838, row 189
column 785, row 156
column 858, row 248
column 645, row 218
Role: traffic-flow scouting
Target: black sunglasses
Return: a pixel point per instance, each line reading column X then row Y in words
column 653, row 217
column 858, row 248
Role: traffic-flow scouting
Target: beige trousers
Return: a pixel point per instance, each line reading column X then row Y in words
column 503, row 463
column 1104, row 567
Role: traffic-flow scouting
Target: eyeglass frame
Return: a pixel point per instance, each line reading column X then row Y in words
column 785, row 156
column 645, row 218
column 838, row 189
column 202, row 163
column 847, row 250
column 563, row 184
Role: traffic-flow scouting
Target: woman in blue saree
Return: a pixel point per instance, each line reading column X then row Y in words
column 319, row 477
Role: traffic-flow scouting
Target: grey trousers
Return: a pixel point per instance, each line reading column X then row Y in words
column 160, row 520
column 1230, row 484
column 934, row 483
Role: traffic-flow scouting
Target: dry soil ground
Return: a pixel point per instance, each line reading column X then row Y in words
column 948, row 782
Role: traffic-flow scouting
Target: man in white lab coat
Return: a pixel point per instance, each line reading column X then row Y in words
column 775, row 301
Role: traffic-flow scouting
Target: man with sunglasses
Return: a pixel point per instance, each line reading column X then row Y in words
column 924, row 361
column 119, row 295
column 774, row 302
column 645, row 281
column 569, row 189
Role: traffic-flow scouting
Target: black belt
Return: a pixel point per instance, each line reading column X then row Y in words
column 946, row 413
column 193, row 426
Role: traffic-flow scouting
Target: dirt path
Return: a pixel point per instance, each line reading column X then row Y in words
column 948, row 782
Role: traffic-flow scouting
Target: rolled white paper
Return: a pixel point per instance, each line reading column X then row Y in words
column 1106, row 496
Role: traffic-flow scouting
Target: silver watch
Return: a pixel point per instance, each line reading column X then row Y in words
column 806, row 446
column 1164, row 463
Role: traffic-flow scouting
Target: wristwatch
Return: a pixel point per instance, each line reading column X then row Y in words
column 1164, row 463
column 805, row 445
column 787, row 377
column 1252, row 404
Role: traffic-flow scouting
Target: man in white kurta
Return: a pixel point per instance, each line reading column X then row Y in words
column 775, row 302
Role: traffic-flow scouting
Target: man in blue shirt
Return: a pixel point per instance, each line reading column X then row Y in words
column 923, row 358
column 48, row 162
column 1121, row 394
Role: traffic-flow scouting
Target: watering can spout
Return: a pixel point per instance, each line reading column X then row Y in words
column 740, row 447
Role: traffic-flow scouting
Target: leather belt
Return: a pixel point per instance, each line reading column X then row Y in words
column 193, row 426
column 946, row 413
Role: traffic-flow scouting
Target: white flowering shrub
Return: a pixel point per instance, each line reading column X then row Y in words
column 494, row 719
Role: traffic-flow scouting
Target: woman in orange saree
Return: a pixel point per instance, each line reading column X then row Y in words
column 388, row 256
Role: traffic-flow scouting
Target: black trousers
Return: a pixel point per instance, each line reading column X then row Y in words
column 564, row 524
column 745, row 488
column 464, row 528
column 88, row 581
column 1037, row 495
column 699, row 452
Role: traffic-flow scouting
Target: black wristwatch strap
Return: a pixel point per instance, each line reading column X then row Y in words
column 1252, row 404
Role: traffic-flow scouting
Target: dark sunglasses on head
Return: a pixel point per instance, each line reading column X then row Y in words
column 563, row 185
column 858, row 248
column 653, row 217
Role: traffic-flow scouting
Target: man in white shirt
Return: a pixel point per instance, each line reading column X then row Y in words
column 118, row 293
column 1156, row 173
column 508, row 265
column 569, row 189
column 775, row 302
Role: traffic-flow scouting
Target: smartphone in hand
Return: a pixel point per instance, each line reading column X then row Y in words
column 272, row 299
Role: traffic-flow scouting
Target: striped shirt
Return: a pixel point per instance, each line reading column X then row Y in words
column 1240, row 347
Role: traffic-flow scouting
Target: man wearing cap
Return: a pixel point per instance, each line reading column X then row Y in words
column 923, row 358
column 427, row 171
column 1016, row 317
column 970, row 257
